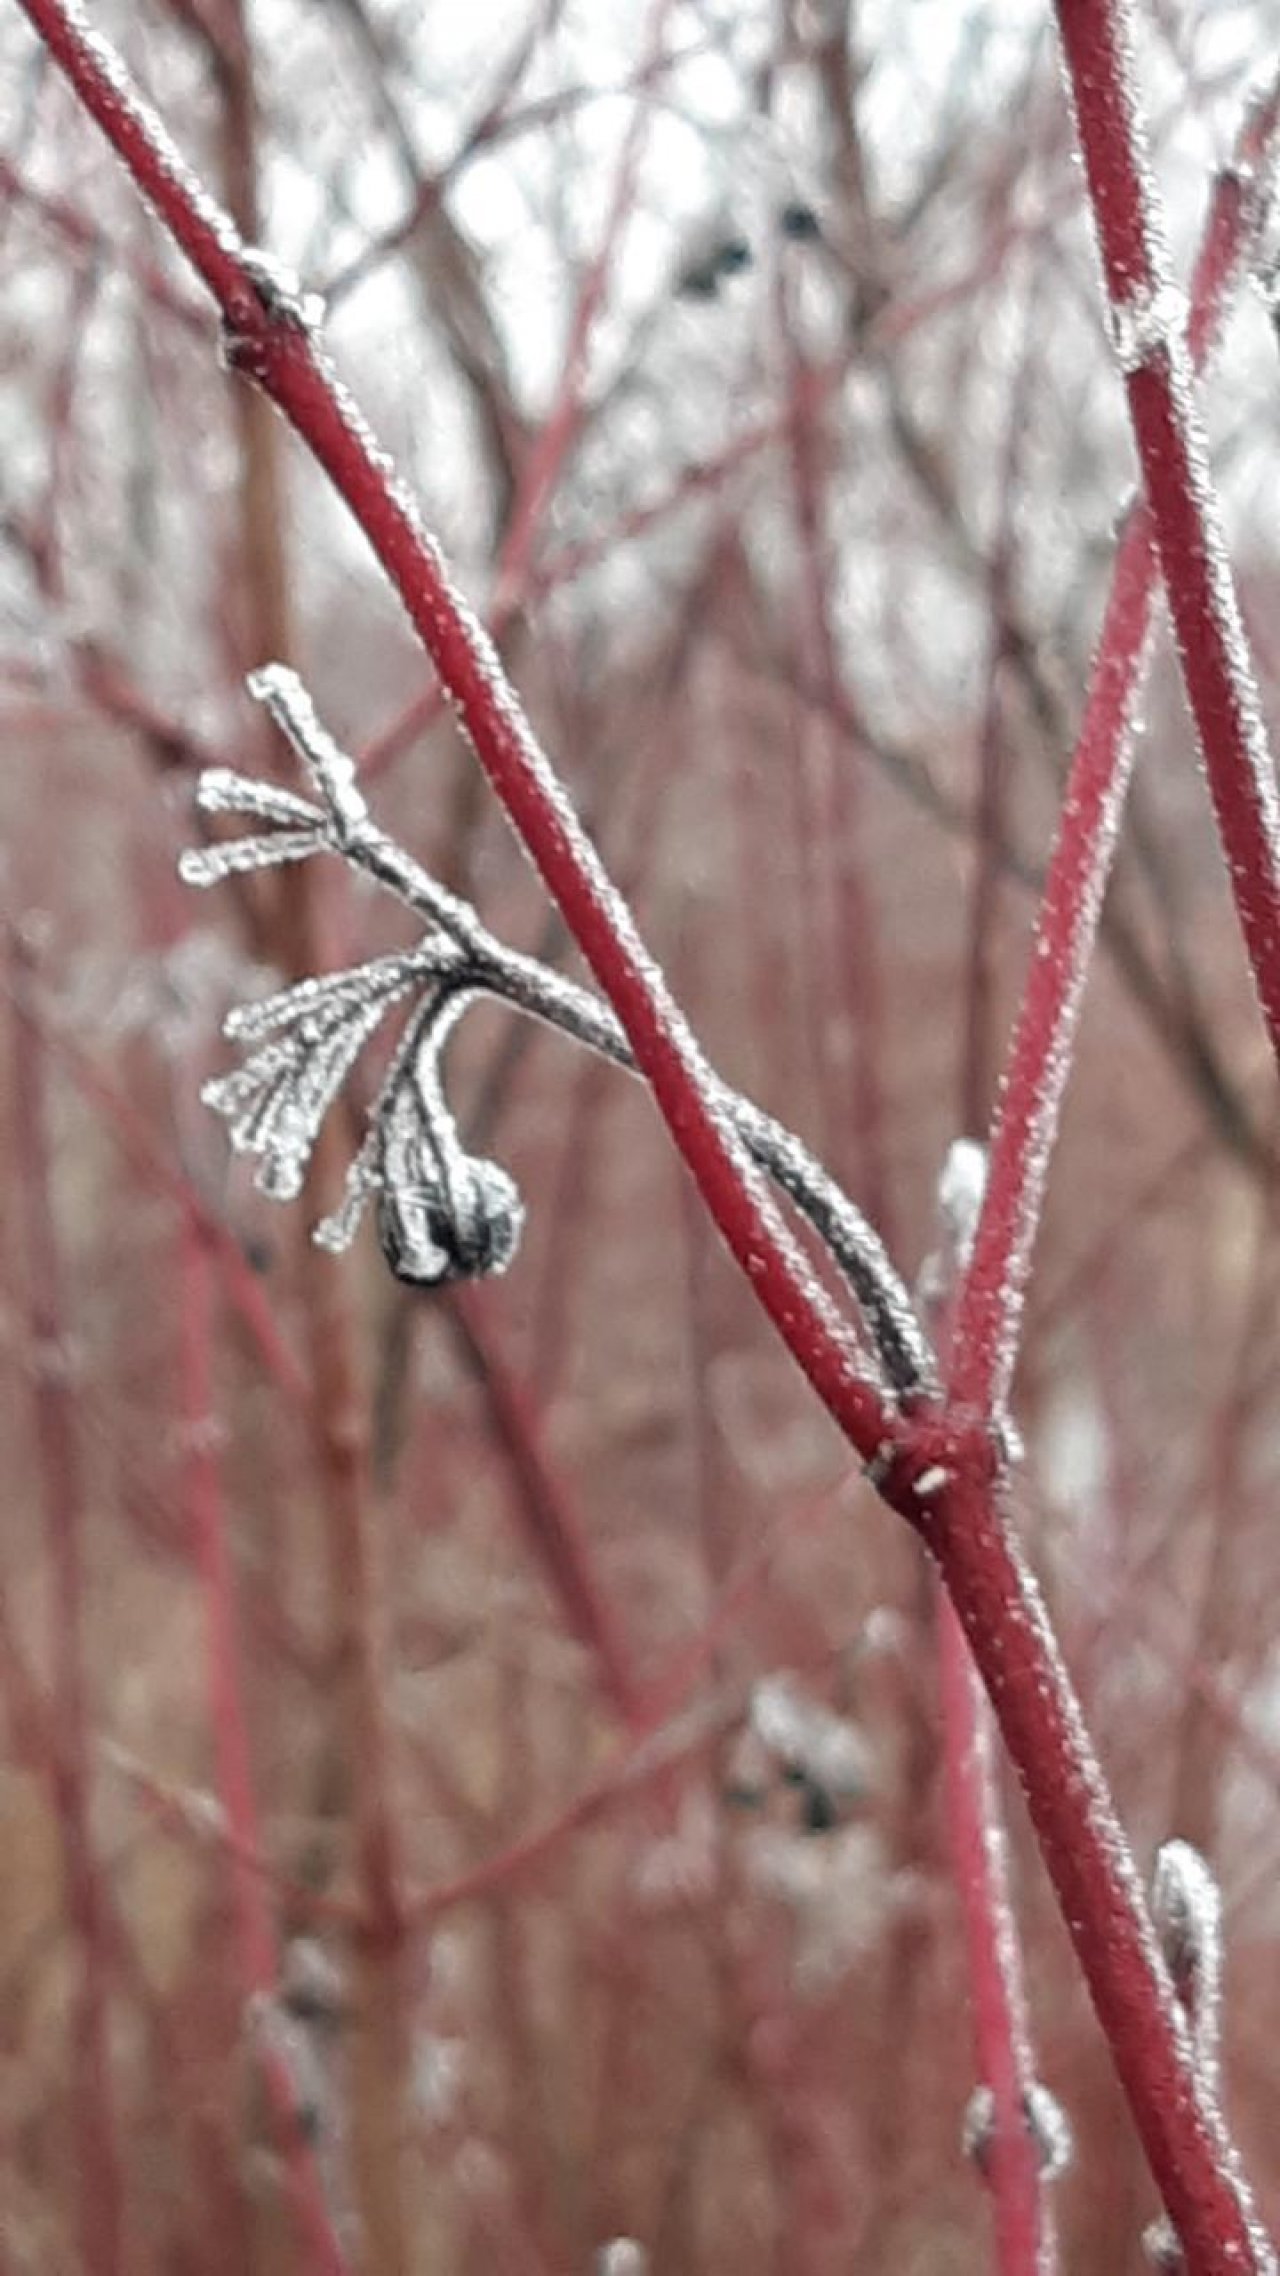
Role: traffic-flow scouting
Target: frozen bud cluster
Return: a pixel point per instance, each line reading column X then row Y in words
column 808, row 1739
column 311, row 1985
column 1186, row 1905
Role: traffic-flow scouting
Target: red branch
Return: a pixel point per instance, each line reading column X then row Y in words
column 1213, row 647
column 1025, row 2238
column 990, row 1303
column 943, row 1474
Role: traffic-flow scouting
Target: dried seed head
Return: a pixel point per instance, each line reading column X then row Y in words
column 430, row 1237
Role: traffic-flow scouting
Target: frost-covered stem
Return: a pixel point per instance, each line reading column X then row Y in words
column 1147, row 327
column 101, row 2200
column 1194, row 2162
column 989, row 1308
column 1009, row 2153
column 1026, row 2242
column 254, row 1937
column 271, row 342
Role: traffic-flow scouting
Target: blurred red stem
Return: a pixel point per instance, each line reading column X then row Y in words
column 254, row 1936
column 100, row 2193
column 555, row 1530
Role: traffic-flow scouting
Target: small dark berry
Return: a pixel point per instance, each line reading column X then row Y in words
column 733, row 256
column 799, row 222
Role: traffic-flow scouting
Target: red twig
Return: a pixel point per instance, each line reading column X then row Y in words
column 942, row 1474
column 1156, row 359
column 990, row 1303
column 1005, row 2142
